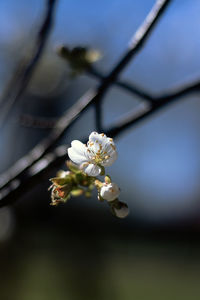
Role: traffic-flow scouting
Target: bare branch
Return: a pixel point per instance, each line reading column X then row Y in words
column 136, row 116
column 27, row 120
column 30, row 177
column 136, row 43
column 127, row 86
column 177, row 91
column 43, row 147
column 24, row 72
column 18, row 172
column 174, row 93
column 16, row 186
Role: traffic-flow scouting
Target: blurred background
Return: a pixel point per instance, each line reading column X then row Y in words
column 79, row 250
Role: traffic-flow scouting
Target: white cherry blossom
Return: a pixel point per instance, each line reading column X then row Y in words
column 99, row 152
column 109, row 191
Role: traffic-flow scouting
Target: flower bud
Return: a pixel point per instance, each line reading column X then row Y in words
column 121, row 210
column 107, row 179
column 110, row 191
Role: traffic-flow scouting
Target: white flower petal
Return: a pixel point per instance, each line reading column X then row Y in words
column 78, row 152
column 108, row 162
column 91, row 169
column 103, row 146
column 99, row 137
column 100, row 149
column 109, row 147
column 110, row 191
column 75, row 157
column 79, row 147
column 97, row 141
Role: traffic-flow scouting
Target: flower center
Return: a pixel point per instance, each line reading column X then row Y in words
column 98, row 156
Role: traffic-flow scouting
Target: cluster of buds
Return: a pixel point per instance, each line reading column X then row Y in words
column 70, row 183
column 79, row 58
column 87, row 162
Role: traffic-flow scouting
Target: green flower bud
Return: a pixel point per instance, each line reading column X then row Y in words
column 58, row 181
column 77, row 192
column 78, row 58
column 107, row 179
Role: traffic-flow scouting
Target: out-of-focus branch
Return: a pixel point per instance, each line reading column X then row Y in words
column 146, row 110
column 43, row 147
column 126, row 86
column 135, row 45
column 87, row 99
column 173, row 93
column 16, row 186
column 25, row 70
column 19, row 186
column 177, row 91
column 19, row 170
column 30, row 121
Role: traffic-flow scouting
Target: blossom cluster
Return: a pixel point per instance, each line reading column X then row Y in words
column 87, row 162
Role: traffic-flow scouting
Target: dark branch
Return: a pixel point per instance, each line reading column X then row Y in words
column 27, row 120
column 136, row 116
column 24, row 72
column 16, row 186
column 18, row 173
column 127, row 86
column 47, row 144
column 135, row 45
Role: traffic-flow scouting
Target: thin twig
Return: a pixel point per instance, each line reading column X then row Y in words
column 127, row 86
column 178, row 91
column 86, row 100
column 20, row 168
column 135, row 45
column 136, row 116
column 30, row 65
column 30, row 121
column 18, row 187
column 43, row 147
column 15, row 186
